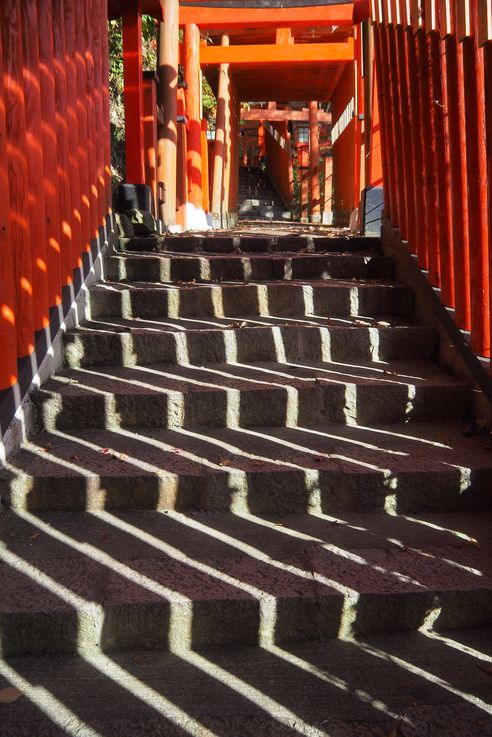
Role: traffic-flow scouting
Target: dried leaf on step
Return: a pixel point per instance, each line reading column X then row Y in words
column 74, row 457
column 105, row 450
column 243, row 324
column 9, row 695
column 486, row 667
column 33, row 537
column 225, row 462
column 48, row 447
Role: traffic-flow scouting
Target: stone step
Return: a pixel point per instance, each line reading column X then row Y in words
column 106, row 582
column 330, row 298
column 328, row 468
column 256, row 267
column 260, row 395
column 213, row 243
column 246, row 339
column 406, row 684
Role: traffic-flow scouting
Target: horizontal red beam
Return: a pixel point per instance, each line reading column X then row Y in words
column 251, row 56
column 228, row 18
column 276, row 115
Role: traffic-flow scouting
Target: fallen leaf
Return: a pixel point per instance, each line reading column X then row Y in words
column 74, row 458
column 177, row 450
column 486, row 667
column 225, row 462
column 105, row 450
column 33, row 537
column 48, row 448
column 9, row 695
column 243, row 324
column 393, row 733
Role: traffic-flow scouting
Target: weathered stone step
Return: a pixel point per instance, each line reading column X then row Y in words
column 110, row 582
column 411, row 684
column 250, row 243
column 121, row 342
column 330, row 298
column 414, row 468
column 234, row 395
column 237, row 267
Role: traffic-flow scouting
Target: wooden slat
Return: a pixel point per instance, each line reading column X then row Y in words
column 252, row 56
column 417, row 14
column 447, row 24
column 431, row 15
column 97, row 30
column 63, row 154
column 463, row 19
column 73, row 133
column 8, row 333
column 35, row 165
column 50, row 149
column 83, row 154
column 484, row 21
column 10, row 24
column 228, row 18
column 91, row 114
column 459, row 185
column 105, row 96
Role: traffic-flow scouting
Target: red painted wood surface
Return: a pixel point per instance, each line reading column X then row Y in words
column 35, row 165
column 446, row 262
column 478, row 221
column 63, row 150
column 384, row 123
column 71, row 18
column 458, row 179
column 132, row 60
column 387, row 105
column 10, row 23
column 50, row 150
column 429, row 171
column 150, row 135
column 410, row 215
column 8, row 332
column 192, row 95
column 52, row 63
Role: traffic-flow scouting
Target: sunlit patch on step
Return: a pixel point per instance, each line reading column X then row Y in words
column 412, row 392
column 278, row 342
column 217, row 297
column 325, row 345
column 314, row 503
column 165, row 270
column 230, row 346
column 181, row 345
column 348, row 616
column 391, row 499
column 173, row 303
column 308, row 297
column 354, row 301
column 205, row 271
column 374, row 338
column 263, row 300
column 350, row 404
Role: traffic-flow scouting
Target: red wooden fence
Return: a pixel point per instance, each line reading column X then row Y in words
column 55, row 183
column 434, row 67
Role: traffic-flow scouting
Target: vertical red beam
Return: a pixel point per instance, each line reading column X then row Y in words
column 10, row 25
column 73, row 133
column 327, row 215
column 261, row 139
column 150, row 134
column 383, row 116
column 443, row 153
column 50, row 149
column 92, row 140
column 459, row 186
column 398, row 122
column 429, row 157
column 478, row 221
column 417, row 131
column 406, row 136
column 487, row 56
column 181, row 172
column 105, row 102
column 82, row 118
column 360, row 120
column 205, row 167
column 97, row 30
column 387, row 105
column 63, row 157
column 132, row 63
column 314, row 162
column 193, row 94
column 8, row 333
column 35, row 165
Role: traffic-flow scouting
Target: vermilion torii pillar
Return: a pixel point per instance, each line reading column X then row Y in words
column 314, row 162
column 220, row 154
column 196, row 218
column 134, row 106
column 167, row 99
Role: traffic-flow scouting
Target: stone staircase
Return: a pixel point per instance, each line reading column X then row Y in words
column 252, row 507
column 257, row 198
